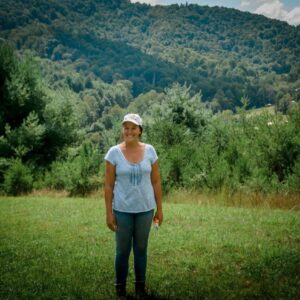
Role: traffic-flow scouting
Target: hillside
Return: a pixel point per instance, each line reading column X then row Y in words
column 225, row 53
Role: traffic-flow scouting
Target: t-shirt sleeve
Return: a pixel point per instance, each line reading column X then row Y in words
column 111, row 156
column 153, row 155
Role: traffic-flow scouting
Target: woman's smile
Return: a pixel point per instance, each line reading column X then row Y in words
column 131, row 131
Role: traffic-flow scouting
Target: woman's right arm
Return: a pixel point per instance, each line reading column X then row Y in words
column 110, row 176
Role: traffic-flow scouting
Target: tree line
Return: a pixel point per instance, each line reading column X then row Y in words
column 52, row 139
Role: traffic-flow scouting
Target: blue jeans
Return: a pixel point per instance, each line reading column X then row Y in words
column 132, row 232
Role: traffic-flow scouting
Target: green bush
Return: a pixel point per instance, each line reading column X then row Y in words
column 82, row 178
column 293, row 180
column 217, row 174
column 78, row 174
column 58, row 176
column 18, row 179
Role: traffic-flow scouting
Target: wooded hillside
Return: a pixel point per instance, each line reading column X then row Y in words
column 225, row 53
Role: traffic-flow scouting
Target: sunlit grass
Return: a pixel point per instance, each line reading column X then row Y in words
column 60, row 248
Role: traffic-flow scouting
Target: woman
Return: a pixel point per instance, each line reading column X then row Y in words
column 132, row 192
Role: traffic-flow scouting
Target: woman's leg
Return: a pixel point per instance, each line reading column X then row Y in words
column 124, row 235
column 142, row 225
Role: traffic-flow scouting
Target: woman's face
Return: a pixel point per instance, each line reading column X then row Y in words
column 131, row 132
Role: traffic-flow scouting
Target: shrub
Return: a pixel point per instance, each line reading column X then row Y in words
column 83, row 179
column 18, row 179
column 293, row 180
column 79, row 174
column 58, row 176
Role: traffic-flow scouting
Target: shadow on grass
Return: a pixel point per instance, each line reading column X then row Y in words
column 150, row 296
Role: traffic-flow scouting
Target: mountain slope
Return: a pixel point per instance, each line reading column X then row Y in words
column 225, row 53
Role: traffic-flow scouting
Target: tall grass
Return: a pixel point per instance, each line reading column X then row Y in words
column 60, row 248
column 238, row 199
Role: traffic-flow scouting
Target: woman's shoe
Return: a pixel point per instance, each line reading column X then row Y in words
column 121, row 291
column 140, row 290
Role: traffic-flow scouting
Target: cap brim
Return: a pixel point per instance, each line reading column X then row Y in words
column 131, row 121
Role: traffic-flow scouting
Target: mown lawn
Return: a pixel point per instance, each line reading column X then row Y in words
column 60, row 248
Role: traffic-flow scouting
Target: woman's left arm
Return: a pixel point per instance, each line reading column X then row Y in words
column 156, row 183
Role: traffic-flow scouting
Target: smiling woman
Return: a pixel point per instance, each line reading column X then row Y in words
column 132, row 192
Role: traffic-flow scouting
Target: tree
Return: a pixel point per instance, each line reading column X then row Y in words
column 180, row 107
column 20, row 89
column 36, row 124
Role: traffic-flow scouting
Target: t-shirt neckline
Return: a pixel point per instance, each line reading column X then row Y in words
column 130, row 162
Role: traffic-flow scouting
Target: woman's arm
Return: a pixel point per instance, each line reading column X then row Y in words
column 156, row 183
column 110, row 176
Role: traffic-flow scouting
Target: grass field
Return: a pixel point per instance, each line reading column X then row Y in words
column 60, row 248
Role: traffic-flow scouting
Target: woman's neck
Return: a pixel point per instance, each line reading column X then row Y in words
column 131, row 145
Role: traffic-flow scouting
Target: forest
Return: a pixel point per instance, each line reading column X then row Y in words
column 218, row 90
column 224, row 53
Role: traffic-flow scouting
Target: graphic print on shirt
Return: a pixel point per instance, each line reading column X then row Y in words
column 136, row 174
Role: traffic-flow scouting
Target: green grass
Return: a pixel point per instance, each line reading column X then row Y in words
column 60, row 248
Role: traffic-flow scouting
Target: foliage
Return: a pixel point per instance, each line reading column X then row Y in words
column 293, row 179
column 26, row 137
column 225, row 53
column 17, row 179
column 63, row 117
column 245, row 152
column 35, row 122
column 63, row 135
column 19, row 91
column 78, row 174
column 172, row 127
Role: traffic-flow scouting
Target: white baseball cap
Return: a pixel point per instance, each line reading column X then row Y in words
column 133, row 118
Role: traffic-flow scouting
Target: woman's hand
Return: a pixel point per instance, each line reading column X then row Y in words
column 158, row 217
column 111, row 222
column 155, row 179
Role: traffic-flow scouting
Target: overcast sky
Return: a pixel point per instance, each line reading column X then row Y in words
column 286, row 10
